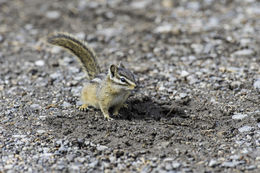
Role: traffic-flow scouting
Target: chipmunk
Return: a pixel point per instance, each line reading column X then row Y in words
column 103, row 91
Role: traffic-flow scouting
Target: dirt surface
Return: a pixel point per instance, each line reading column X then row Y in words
column 196, row 108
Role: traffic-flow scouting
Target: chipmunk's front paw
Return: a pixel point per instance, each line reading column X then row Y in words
column 83, row 107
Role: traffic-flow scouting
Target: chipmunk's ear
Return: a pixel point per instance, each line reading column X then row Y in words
column 112, row 70
column 121, row 65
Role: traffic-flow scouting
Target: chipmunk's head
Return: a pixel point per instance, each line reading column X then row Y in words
column 122, row 77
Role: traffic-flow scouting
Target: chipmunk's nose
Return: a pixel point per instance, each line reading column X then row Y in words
column 133, row 86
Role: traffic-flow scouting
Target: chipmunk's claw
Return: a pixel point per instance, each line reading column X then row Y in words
column 83, row 107
column 108, row 118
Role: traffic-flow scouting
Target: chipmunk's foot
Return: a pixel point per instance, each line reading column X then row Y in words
column 108, row 118
column 125, row 105
column 83, row 107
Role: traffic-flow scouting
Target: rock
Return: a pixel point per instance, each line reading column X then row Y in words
column 184, row 73
column 141, row 4
column 239, row 116
column 56, row 50
column 243, row 52
column 245, row 42
column 169, row 159
column 165, row 28
column 257, row 84
column 235, row 84
column 193, row 5
column 66, row 104
column 1, row 38
column 101, row 147
column 9, row 166
column 163, row 144
column 93, row 164
column 168, row 166
column 74, row 168
column 80, row 35
column 213, row 163
column 167, row 3
column 176, row 165
column 245, row 129
column 39, row 63
column 251, row 167
column 53, row 14
column 19, row 136
column 230, row 164
column 76, row 91
column 41, row 131
column 35, row 106
column 198, row 48
column 109, row 32
column 183, row 95
column 235, row 157
column 55, row 75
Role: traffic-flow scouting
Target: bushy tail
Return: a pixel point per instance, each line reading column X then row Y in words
column 78, row 48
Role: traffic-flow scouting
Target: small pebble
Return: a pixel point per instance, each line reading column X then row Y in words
column 257, row 84
column 53, row 14
column 176, row 165
column 165, row 28
column 102, row 148
column 41, row 131
column 239, row 116
column 66, row 104
column 213, row 163
column 39, row 63
column 243, row 52
column 245, row 129
column 141, row 4
column 1, row 38
column 55, row 75
column 35, row 106
column 230, row 164
column 184, row 73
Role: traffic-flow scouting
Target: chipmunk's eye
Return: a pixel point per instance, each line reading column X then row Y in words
column 122, row 79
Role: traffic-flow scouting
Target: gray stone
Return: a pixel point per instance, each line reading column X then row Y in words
column 243, row 52
column 213, row 163
column 55, row 75
column 141, row 4
column 176, row 165
column 53, row 14
column 239, row 116
column 183, row 95
column 40, row 131
column 101, row 147
column 245, row 129
column 230, row 164
column 66, row 104
column 165, row 28
column 35, row 106
column 257, row 84
column 168, row 166
column 39, row 63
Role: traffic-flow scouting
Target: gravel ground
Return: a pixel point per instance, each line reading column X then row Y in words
column 197, row 107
